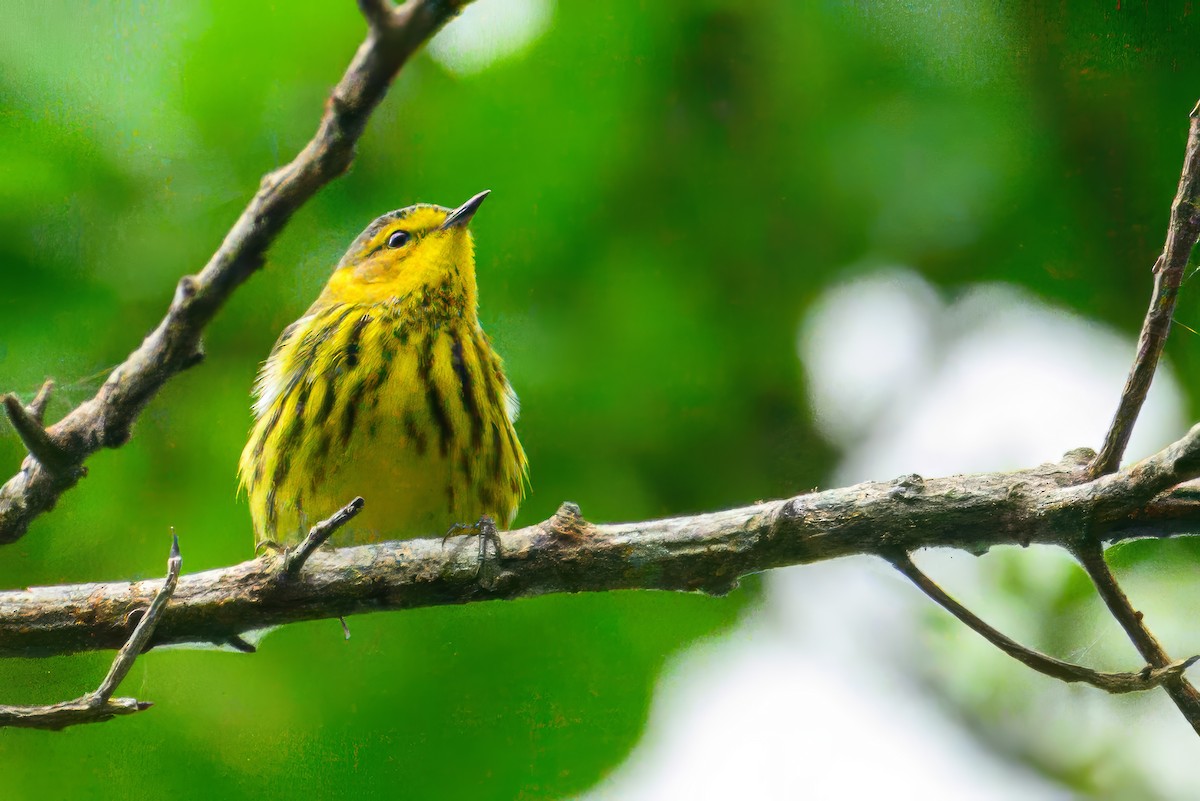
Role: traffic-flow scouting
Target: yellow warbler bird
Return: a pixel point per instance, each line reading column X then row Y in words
column 387, row 388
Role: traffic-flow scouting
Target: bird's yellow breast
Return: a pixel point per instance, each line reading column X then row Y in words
column 410, row 411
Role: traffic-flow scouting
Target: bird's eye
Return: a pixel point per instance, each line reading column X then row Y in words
column 398, row 239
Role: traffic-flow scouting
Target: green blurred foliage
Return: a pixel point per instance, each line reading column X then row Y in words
column 672, row 183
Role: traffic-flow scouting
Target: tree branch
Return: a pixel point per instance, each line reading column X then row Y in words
column 1149, row 677
column 99, row 706
column 1049, row 504
column 105, row 419
column 1182, row 233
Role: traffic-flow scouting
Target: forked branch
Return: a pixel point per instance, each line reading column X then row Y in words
column 1148, row 677
column 1091, row 556
column 1182, row 232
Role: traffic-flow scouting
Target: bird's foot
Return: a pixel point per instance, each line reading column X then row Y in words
column 485, row 529
column 269, row 546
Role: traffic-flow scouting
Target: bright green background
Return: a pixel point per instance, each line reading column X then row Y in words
column 673, row 182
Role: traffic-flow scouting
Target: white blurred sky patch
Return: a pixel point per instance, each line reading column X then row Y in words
column 815, row 695
column 862, row 344
column 993, row 380
column 489, row 31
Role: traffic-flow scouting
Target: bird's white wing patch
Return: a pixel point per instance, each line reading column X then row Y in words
column 272, row 380
column 512, row 404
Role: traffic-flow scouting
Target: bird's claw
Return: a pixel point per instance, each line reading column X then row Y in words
column 485, row 529
column 262, row 546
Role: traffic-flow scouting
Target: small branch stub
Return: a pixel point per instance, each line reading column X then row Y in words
column 319, row 535
column 37, row 407
column 28, row 425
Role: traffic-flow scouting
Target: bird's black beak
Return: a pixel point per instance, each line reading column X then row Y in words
column 463, row 214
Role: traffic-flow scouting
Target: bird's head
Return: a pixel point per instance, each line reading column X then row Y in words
column 421, row 255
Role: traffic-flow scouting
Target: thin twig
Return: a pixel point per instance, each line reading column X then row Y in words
column 1182, row 233
column 99, row 705
column 1091, row 556
column 1145, row 679
column 105, row 419
column 318, row 535
column 137, row 641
